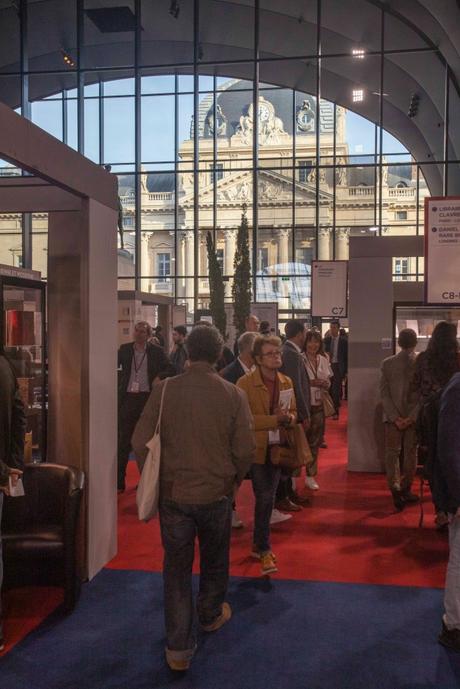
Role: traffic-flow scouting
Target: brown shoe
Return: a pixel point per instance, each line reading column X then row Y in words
column 177, row 665
column 285, row 505
column 301, row 500
column 224, row 617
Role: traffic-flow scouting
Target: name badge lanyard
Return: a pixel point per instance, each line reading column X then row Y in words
column 136, row 367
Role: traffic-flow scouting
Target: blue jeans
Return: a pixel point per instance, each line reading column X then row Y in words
column 265, row 478
column 180, row 524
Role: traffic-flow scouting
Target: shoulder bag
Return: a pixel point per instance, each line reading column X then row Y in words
column 148, row 490
column 328, row 405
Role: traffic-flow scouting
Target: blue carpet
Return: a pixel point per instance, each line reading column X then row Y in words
column 284, row 635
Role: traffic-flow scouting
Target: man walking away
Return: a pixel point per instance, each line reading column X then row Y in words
column 448, row 477
column 12, row 428
column 400, row 408
column 207, row 447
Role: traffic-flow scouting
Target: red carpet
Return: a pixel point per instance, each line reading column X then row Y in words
column 351, row 533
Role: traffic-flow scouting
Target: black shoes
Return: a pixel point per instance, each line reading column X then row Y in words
column 450, row 638
column 398, row 500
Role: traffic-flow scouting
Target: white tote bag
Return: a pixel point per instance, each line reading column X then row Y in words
column 148, row 490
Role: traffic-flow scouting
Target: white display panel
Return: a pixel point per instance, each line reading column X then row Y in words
column 329, row 289
column 442, row 250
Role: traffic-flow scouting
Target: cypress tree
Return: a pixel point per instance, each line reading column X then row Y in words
column 242, row 288
column 216, row 288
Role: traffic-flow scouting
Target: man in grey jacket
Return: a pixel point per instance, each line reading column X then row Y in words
column 287, row 499
column 207, row 447
column 400, row 407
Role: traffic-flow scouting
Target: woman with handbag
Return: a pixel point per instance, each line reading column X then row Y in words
column 272, row 403
column 319, row 372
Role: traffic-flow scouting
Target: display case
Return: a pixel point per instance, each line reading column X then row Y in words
column 23, row 337
column 422, row 319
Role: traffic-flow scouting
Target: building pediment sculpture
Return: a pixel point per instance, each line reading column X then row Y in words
column 270, row 127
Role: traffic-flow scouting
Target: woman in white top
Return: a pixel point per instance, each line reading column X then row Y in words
column 319, row 372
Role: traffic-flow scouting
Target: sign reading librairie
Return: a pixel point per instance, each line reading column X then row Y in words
column 329, row 289
column 442, row 250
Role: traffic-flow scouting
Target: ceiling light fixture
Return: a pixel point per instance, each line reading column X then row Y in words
column 357, row 95
column 358, row 53
column 174, row 9
column 67, row 58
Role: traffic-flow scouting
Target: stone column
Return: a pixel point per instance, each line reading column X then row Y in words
column 341, row 243
column 146, row 262
column 283, row 245
column 189, row 268
column 229, row 255
column 181, row 264
column 324, row 241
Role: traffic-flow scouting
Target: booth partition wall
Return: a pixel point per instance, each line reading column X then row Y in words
column 319, row 120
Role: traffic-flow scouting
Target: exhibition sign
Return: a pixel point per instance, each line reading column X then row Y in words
column 442, row 250
column 329, row 289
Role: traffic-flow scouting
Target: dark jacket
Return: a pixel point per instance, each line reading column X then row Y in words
column 225, row 359
column 12, row 422
column 233, row 372
column 157, row 362
column 342, row 353
column 294, row 367
column 178, row 357
column 448, row 443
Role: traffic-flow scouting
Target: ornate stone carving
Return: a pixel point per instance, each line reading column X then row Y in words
column 220, row 120
column 271, row 128
column 305, row 117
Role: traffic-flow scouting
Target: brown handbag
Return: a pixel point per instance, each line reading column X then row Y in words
column 328, row 405
column 297, row 454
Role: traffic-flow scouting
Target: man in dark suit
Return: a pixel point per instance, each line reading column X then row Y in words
column 294, row 367
column 12, row 428
column 139, row 363
column 244, row 362
column 337, row 347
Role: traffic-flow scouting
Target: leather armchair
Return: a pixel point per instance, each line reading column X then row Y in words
column 39, row 530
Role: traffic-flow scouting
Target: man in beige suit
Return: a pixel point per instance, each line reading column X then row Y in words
column 207, row 447
column 400, row 407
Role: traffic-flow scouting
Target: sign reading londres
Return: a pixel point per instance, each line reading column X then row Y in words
column 442, row 250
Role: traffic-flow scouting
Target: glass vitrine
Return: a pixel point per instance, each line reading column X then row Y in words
column 23, row 338
column 423, row 319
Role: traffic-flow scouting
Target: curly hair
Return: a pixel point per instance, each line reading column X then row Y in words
column 442, row 352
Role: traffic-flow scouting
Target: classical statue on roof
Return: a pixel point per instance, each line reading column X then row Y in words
column 270, row 127
column 219, row 122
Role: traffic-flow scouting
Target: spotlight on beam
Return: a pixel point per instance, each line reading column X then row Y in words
column 67, row 58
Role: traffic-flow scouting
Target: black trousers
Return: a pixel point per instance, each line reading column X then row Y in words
column 336, row 386
column 128, row 415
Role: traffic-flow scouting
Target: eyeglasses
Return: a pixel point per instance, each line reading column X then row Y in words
column 274, row 353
